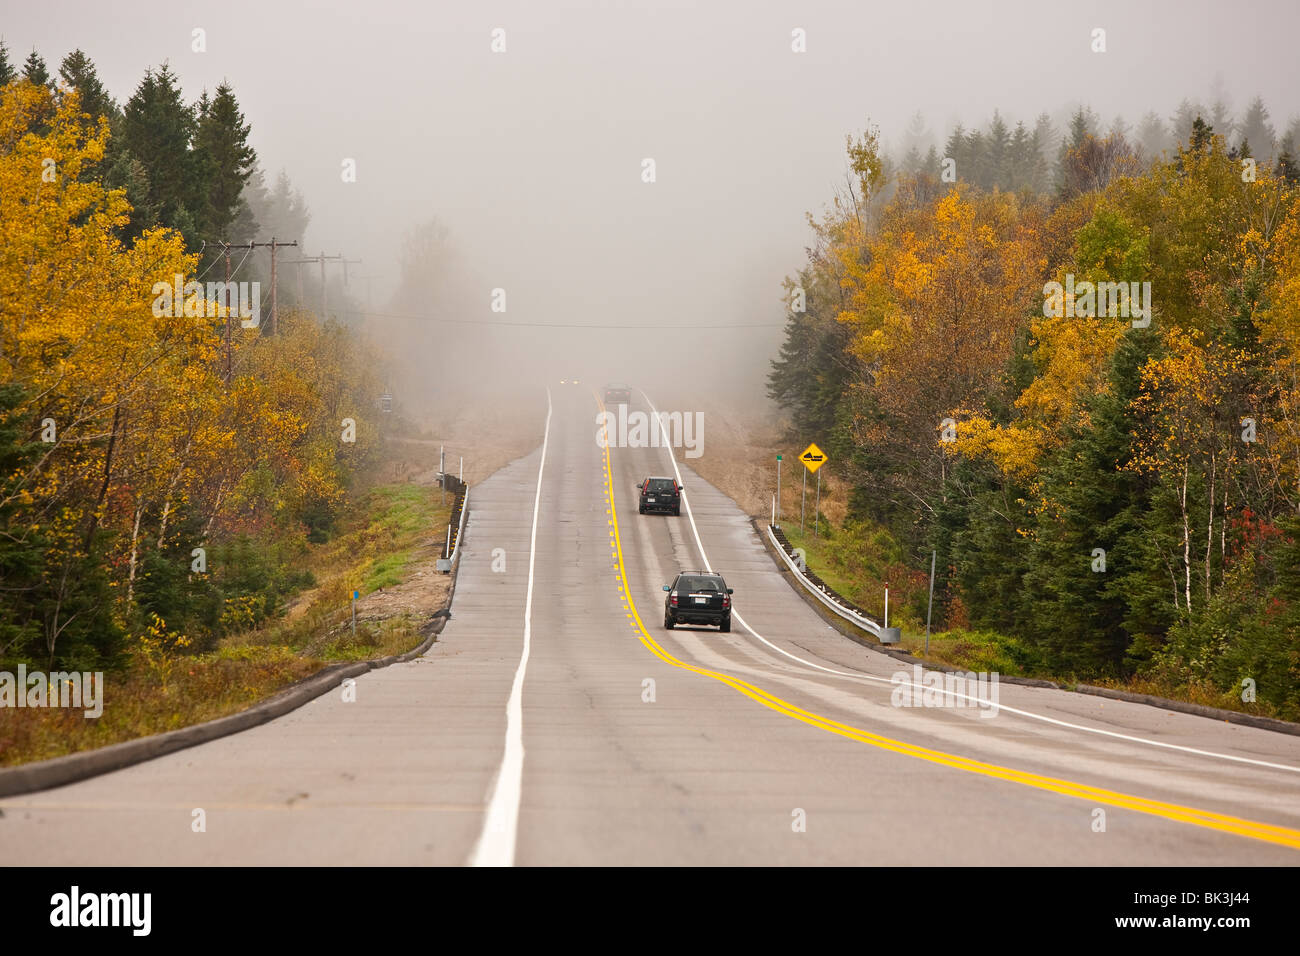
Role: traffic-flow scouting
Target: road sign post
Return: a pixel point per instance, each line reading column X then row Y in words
column 817, row 509
column 813, row 458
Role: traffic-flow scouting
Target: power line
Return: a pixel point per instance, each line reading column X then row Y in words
column 575, row 325
column 321, row 260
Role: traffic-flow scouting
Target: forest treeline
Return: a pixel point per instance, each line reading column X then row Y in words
column 1111, row 495
column 156, row 483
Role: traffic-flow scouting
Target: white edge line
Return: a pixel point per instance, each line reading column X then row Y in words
column 1013, row 710
column 496, row 844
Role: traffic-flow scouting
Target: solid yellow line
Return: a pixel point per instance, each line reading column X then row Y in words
column 1170, row 811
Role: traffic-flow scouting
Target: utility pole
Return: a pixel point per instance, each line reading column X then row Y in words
column 321, row 260
column 226, row 247
column 369, row 298
column 274, row 244
column 930, row 606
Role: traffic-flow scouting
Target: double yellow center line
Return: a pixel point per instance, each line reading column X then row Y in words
column 1283, row 836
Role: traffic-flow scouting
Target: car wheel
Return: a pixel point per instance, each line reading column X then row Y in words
column 641, row 509
column 725, row 626
column 669, row 623
column 677, row 512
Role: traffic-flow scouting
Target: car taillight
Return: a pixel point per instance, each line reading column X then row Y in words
column 673, row 599
column 726, row 601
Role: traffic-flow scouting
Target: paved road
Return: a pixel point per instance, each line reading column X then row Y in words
column 475, row 754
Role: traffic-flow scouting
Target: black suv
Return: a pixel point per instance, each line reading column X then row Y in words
column 698, row 597
column 617, row 395
column 661, row 494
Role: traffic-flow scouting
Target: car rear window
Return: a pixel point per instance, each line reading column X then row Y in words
column 699, row 584
column 661, row 484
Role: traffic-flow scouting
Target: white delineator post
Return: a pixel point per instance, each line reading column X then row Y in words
column 778, row 484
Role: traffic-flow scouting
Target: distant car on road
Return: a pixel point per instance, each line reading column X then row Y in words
column 661, row 494
column 698, row 597
column 617, row 394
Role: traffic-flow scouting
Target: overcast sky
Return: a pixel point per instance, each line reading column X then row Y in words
column 533, row 157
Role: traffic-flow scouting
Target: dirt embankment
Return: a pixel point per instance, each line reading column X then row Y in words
column 740, row 448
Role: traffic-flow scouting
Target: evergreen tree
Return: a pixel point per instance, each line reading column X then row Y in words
column 126, row 172
column 7, row 74
column 221, row 142
column 1152, row 137
column 1076, row 614
column 956, row 149
column 1045, row 140
column 35, row 71
column 809, row 376
column 998, row 172
column 1256, row 129
column 157, row 128
column 1184, row 118
column 78, row 73
column 911, row 162
column 1221, row 118
column 1286, row 164
column 1075, row 137
column 22, row 549
column 977, row 159
column 1202, row 136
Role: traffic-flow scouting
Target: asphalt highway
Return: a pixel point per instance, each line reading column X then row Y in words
column 556, row 721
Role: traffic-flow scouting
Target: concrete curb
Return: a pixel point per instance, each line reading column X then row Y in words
column 1199, row 710
column 848, row 630
column 58, row 771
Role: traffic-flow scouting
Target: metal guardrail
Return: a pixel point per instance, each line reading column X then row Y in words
column 460, row 527
column 831, row 600
column 452, row 549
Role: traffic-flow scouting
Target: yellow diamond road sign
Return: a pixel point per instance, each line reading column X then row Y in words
column 813, row 458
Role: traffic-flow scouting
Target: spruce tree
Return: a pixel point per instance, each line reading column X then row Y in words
column 1256, row 128
column 221, row 145
column 1286, row 166
column 999, row 173
column 157, row 128
column 1201, row 137
column 7, row 74
column 34, row 70
column 1076, row 611
column 22, row 544
column 78, row 72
